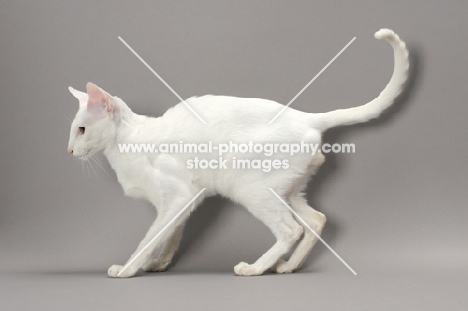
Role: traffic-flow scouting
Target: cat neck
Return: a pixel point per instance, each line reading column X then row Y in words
column 130, row 127
column 125, row 118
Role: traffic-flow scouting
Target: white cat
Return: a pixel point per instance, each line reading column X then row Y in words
column 104, row 121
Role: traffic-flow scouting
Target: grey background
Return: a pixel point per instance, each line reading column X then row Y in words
column 396, row 209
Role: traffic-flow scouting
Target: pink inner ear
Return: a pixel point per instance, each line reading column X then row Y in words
column 98, row 100
column 95, row 105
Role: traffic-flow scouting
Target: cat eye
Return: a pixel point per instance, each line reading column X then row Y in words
column 81, row 129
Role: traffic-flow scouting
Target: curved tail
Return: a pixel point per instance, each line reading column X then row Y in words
column 372, row 109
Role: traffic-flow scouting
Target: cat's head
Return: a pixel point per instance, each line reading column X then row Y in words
column 93, row 128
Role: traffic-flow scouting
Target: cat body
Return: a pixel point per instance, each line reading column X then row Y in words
column 104, row 122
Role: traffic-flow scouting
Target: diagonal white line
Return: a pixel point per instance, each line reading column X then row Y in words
column 162, row 80
column 160, row 232
column 313, row 79
column 313, row 231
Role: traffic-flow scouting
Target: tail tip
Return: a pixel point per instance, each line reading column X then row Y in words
column 384, row 34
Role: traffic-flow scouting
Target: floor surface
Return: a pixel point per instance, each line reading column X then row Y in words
column 184, row 290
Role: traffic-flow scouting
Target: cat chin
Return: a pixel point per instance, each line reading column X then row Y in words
column 86, row 156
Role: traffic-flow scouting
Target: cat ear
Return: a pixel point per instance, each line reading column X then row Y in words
column 99, row 100
column 81, row 96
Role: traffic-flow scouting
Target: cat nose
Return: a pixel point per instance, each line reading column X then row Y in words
column 70, row 151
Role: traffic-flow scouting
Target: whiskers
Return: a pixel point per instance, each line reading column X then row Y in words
column 98, row 163
column 87, row 164
column 87, row 159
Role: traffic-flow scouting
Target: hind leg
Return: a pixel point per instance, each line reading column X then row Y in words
column 316, row 221
column 168, row 251
column 286, row 230
column 313, row 218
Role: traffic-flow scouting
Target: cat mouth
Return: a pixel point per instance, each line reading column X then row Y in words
column 86, row 155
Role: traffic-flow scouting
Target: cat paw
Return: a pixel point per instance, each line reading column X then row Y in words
column 114, row 271
column 244, row 269
column 282, row 266
column 156, row 266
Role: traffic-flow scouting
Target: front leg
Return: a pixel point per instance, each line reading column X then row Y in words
column 132, row 264
column 164, row 227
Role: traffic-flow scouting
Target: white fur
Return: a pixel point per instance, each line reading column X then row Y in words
column 165, row 180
